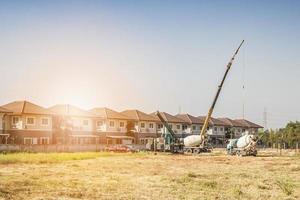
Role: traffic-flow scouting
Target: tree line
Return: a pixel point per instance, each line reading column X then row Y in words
column 287, row 137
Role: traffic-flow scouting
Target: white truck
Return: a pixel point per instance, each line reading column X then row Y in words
column 243, row 146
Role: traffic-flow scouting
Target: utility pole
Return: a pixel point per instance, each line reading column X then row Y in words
column 265, row 119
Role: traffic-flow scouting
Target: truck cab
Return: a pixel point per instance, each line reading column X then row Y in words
column 231, row 146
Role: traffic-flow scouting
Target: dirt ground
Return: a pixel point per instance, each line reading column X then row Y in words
column 150, row 176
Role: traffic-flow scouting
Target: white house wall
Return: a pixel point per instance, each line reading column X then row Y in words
column 146, row 128
column 79, row 124
column 1, row 121
column 177, row 130
column 195, row 129
column 106, row 126
column 23, row 125
column 218, row 130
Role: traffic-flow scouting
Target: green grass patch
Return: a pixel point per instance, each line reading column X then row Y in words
column 41, row 158
column 286, row 186
column 210, row 184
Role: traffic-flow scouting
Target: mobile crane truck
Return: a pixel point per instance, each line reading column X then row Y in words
column 198, row 143
column 169, row 140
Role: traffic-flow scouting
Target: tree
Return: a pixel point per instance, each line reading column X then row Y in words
column 289, row 135
column 130, row 128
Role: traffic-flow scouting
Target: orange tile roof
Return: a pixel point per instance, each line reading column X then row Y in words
column 230, row 122
column 25, row 107
column 202, row 118
column 218, row 122
column 70, row 110
column 169, row 118
column 247, row 123
column 4, row 110
column 108, row 113
column 190, row 118
column 138, row 115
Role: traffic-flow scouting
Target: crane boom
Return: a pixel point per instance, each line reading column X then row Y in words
column 210, row 111
column 165, row 124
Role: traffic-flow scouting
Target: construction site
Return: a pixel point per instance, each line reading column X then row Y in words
column 167, row 141
column 168, row 166
column 149, row 100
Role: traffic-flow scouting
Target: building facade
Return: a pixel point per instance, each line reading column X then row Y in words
column 176, row 124
column 3, row 118
column 236, row 128
column 73, row 125
column 28, row 123
column 22, row 122
column 193, row 124
column 144, row 125
column 217, row 131
column 112, row 126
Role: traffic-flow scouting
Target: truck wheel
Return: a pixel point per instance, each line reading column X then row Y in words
column 188, row 151
column 255, row 153
column 196, row 151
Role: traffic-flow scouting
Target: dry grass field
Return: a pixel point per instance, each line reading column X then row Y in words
column 148, row 176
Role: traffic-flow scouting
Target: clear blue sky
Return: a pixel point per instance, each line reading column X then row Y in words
column 154, row 55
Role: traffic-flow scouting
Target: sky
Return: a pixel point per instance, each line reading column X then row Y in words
column 154, row 55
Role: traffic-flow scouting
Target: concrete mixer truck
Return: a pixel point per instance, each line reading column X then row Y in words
column 243, row 146
column 198, row 143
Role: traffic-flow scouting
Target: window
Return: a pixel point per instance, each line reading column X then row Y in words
column 111, row 123
column 142, row 125
column 122, row 124
column 239, row 130
column 178, row 126
column 27, row 141
column 15, row 120
column 143, row 141
column 85, row 122
column 151, row 125
column 244, row 130
column 99, row 123
column 170, row 126
column 30, row 121
column 194, row 128
column 159, row 126
column 44, row 140
column 184, row 127
column 30, row 140
column 216, row 129
column 45, row 121
column 221, row 129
